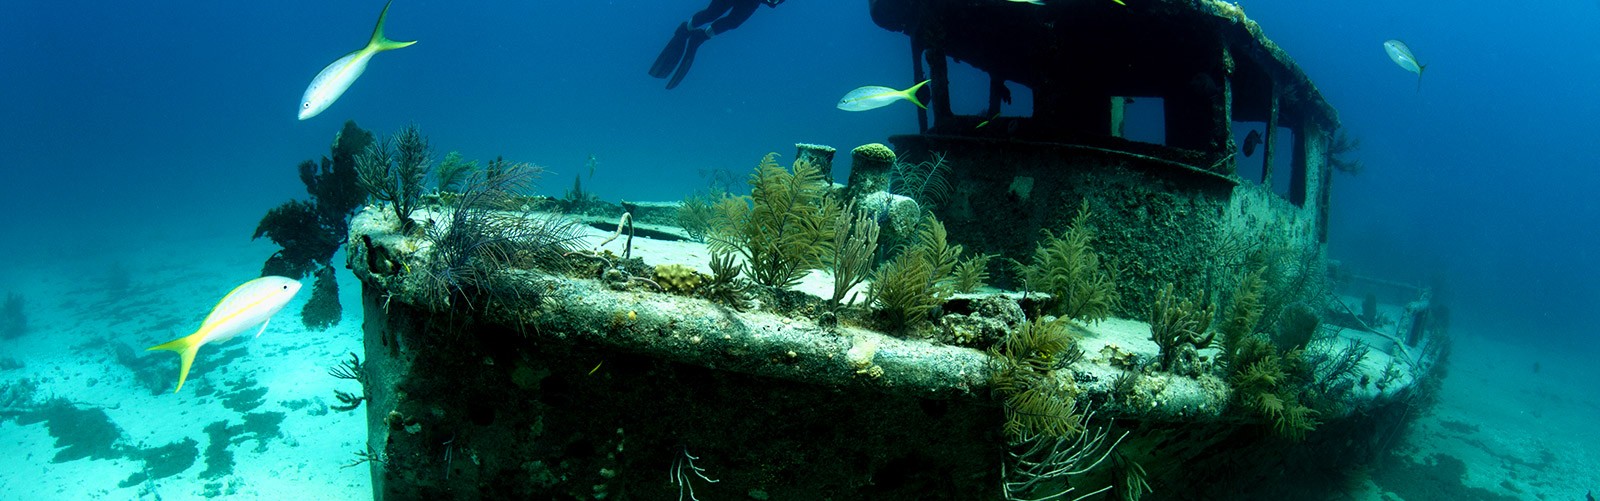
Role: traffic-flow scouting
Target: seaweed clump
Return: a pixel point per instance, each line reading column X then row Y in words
column 725, row 287
column 972, row 273
column 926, row 181
column 695, row 214
column 855, row 242
column 1048, row 433
column 1325, row 375
column 322, row 310
column 310, row 232
column 579, row 200
column 80, row 432
column 1339, row 151
column 1037, row 403
column 910, row 287
column 1270, row 375
column 392, row 171
column 697, row 211
column 783, row 229
column 352, row 370
column 1268, row 382
column 452, row 174
column 1335, row 374
column 1069, row 269
column 1180, row 329
column 1244, row 312
column 489, row 228
column 1289, row 276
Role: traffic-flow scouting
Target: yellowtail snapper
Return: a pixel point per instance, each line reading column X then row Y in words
column 1401, row 55
column 334, row 79
column 874, row 97
column 249, row 305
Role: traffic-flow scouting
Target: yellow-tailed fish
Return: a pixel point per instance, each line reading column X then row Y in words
column 985, row 123
column 334, row 79
column 1401, row 55
column 250, row 304
column 874, row 97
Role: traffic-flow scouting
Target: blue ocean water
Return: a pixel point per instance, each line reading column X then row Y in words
column 136, row 124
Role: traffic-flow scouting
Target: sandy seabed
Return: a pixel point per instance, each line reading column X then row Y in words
column 252, row 422
column 1523, row 419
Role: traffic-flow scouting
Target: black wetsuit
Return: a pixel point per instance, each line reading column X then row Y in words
column 718, row 17
column 724, row 15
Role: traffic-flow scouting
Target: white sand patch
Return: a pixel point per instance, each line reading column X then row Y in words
column 696, row 255
column 76, row 327
column 1521, row 433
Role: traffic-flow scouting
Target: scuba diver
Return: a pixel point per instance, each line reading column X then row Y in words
column 719, row 17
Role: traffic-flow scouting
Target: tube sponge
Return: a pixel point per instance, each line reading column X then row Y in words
column 874, row 151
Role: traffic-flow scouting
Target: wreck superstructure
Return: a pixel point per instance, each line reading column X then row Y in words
column 596, row 384
column 1173, row 204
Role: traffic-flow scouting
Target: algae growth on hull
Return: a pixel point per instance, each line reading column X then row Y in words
column 599, row 371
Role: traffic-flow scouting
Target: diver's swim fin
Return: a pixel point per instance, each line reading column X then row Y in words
column 672, row 53
column 696, row 37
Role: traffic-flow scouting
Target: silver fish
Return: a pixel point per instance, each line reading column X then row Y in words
column 249, row 305
column 334, row 79
column 1402, row 56
column 873, row 97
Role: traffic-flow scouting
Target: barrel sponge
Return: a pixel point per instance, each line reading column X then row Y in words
column 874, row 151
column 677, row 278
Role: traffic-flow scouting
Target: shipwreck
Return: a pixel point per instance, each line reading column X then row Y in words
column 999, row 307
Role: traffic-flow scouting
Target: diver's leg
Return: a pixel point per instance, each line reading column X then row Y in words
column 738, row 11
column 711, row 13
column 696, row 37
column 672, row 53
column 737, row 15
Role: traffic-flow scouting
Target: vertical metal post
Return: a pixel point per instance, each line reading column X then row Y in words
column 1270, row 138
column 939, row 71
column 1300, row 166
column 917, row 75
